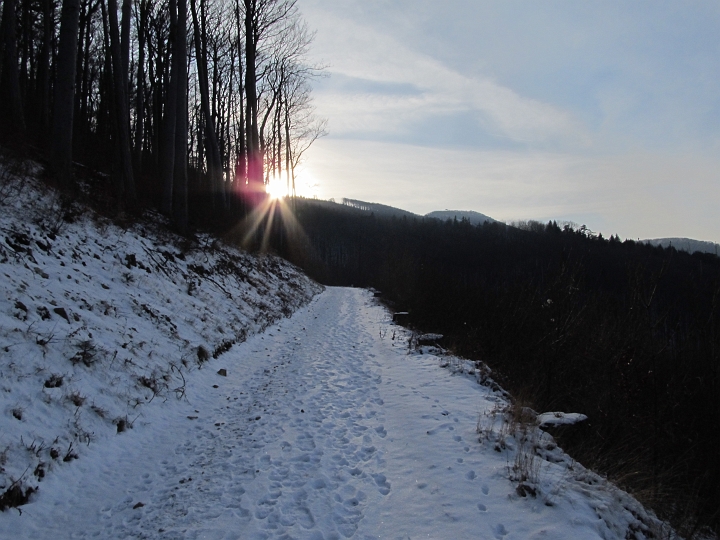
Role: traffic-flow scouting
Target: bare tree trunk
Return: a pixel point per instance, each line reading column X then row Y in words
column 261, row 130
column 63, row 105
column 213, row 151
column 291, row 186
column 255, row 165
column 167, row 151
column 127, row 181
column 107, row 125
column 78, row 135
column 125, row 44
column 25, row 42
column 13, row 120
column 85, row 64
column 241, row 165
column 180, row 191
column 278, row 137
column 140, row 98
column 43, row 76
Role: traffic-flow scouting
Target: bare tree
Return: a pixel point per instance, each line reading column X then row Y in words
column 42, row 86
column 125, row 41
column 63, row 104
column 262, row 18
column 142, row 19
column 12, row 111
column 210, row 135
column 180, row 180
column 129, row 99
column 122, row 118
column 167, row 151
column 303, row 128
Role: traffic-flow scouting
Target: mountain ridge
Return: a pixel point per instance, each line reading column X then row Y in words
column 686, row 244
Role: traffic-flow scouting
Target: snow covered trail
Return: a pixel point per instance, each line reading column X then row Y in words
column 324, row 428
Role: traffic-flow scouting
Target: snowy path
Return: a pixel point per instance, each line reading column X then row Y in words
column 324, row 428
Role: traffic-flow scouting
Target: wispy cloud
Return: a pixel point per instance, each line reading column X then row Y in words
column 361, row 53
column 604, row 113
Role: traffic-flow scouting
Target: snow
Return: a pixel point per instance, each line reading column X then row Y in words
column 560, row 418
column 97, row 320
column 326, row 424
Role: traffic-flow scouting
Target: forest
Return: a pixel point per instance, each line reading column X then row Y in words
column 183, row 107
column 624, row 332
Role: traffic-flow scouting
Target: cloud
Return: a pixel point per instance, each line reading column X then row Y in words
column 362, row 54
column 603, row 114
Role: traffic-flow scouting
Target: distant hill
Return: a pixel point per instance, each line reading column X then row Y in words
column 475, row 218
column 377, row 208
column 384, row 210
column 686, row 244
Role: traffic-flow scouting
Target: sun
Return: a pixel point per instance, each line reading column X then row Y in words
column 268, row 214
column 276, row 188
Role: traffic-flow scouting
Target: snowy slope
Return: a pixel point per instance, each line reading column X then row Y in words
column 327, row 426
column 97, row 320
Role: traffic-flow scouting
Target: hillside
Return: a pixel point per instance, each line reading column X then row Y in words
column 623, row 332
column 98, row 318
column 476, row 218
column 686, row 244
column 377, row 208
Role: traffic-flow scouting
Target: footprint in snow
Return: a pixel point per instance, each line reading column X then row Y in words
column 485, row 489
column 500, row 531
column 318, row 483
column 381, row 431
column 365, row 453
column 447, row 426
column 264, row 462
column 471, row 475
column 482, row 507
column 305, row 442
column 382, row 483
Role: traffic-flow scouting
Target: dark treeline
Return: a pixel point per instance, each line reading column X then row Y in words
column 183, row 103
column 626, row 333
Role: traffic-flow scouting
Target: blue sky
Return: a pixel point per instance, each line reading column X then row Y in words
column 605, row 113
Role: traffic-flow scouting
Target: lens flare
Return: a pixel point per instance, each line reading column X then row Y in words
column 276, row 188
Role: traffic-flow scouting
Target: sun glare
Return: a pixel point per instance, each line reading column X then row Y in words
column 276, row 188
column 269, row 214
column 306, row 185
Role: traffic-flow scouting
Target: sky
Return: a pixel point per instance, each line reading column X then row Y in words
column 603, row 113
